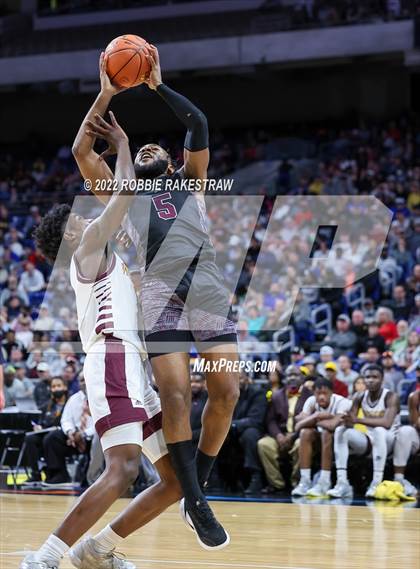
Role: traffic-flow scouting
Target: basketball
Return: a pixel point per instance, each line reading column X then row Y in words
column 127, row 65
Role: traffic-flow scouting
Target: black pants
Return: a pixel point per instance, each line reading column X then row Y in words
column 56, row 450
column 34, row 451
column 239, row 456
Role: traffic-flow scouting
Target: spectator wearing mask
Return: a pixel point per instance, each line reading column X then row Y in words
column 246, row 429
column 77, row 429
column 50, row 417
column 42, row 387
column 345, row 373
column 343, row 339
column 321, row 415
column 339, row 387
column 285, row 405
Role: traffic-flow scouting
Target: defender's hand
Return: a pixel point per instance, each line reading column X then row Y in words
column 106, row 86
column 111, row 132
column 155, row 76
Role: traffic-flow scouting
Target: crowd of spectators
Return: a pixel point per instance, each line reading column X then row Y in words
column 38, row 331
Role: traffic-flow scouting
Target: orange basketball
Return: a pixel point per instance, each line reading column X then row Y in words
column 127, row 65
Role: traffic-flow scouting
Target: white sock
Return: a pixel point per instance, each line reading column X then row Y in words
column 378, row 476
column 325, row 477
column 52, row 550
column 399, row 477
column 107, row 540
column 305, row 474
column 342, row 475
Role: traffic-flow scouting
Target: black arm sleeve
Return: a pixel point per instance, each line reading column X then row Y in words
column 197, row 137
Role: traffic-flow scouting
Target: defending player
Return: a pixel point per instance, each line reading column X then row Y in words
column 381, row 409
column 173, row 236
column 125, row 409
column 407, row 443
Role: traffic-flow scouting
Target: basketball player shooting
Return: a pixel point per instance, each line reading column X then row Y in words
column 175, row 231
column 124, row 407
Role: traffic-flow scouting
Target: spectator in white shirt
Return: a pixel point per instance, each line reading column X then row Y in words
column 32, row 280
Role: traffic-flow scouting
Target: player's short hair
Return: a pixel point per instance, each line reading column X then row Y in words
column 323, row 382
column 372, row 367
column 49, row 233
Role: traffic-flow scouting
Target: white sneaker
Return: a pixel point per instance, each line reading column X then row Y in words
column 370, row 492
column 409, row 489
column 302, row 488
column 319, row 489
column 84, row 555
column 341, row 490
column 30, row 562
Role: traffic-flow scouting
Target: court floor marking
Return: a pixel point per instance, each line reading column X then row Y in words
column 204, row 563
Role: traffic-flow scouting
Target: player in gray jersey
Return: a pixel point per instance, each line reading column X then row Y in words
column 169, row 230
column 381, row 409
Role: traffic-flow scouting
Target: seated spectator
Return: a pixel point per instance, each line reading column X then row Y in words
column 310, row 363
column 410, row 355
column 339, row 387
column 387, row 327
column 77, row 430
column 381, row 417
column 373, row 339
column 285, row 405
column 401, row 342
column 42, row 386
column 26, row 386
column 10, row 342
column 12, row 290
column 407, row 443
column 392, row 375
column 326, row 354
column 345, row 373
column 359, row 385
column 51, row 417
column 296, row 355
column 44, row 321
column 413, row 282
column 401, row 304
column 9, row 387
column 71, row 379
column 321, row 415
column 274, row 380
column 343, row 340
column 22, row 325
column 359, row 327
column 246, row 429
column 371, row 356
column 31, row 280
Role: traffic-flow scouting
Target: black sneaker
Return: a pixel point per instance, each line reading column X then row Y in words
column 200, row 519
column 255, row 485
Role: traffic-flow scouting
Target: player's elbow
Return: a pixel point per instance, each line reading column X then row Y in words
column 76, row 151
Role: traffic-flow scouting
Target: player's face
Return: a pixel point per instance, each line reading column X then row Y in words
column 323, row 396
column 76, row 224
column 151, row 161
column 373, row 380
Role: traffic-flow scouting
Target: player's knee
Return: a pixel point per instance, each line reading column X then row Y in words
column 122, row 474
column 264, row 445
column 226, row 398
column 379, row 432
column 327, row 437
column 175, row 404
column 307, row 434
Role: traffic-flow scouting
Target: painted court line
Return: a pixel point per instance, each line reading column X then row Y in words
column 203, row 563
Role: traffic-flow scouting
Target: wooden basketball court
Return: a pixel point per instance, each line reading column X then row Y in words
column 264, row 535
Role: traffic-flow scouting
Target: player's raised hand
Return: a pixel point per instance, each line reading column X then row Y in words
column 106, row 86
column 155, row 75
column 111, row 132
